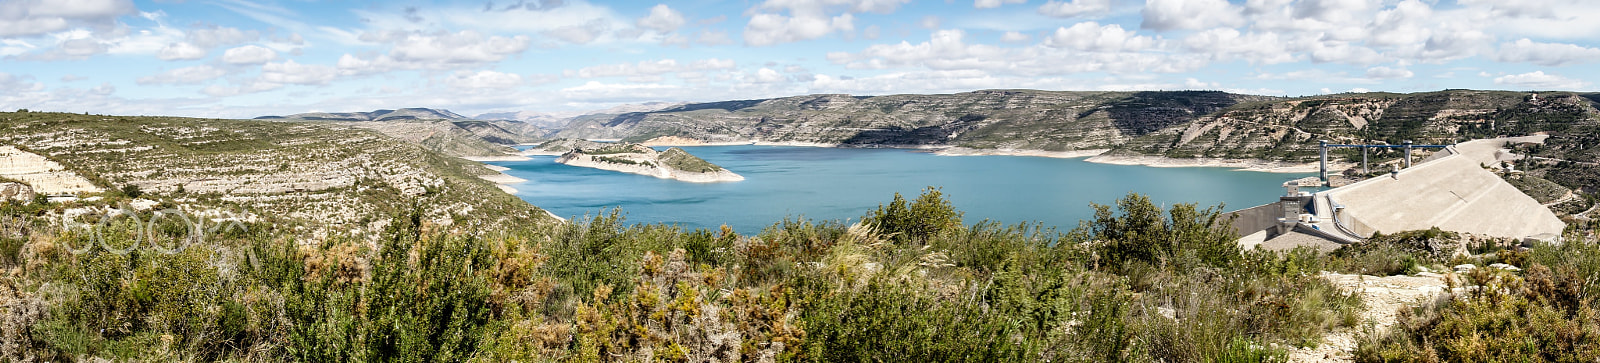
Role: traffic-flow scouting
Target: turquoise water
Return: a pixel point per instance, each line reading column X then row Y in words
column 843, row 184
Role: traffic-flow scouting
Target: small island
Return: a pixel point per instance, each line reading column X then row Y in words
column 673, row 163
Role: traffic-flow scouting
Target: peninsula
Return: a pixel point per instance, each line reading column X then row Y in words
column 673, row 163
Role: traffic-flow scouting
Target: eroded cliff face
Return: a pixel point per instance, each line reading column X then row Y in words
column 40, row 174
column 1179, row 124
column 1290, row 129
column 1011, row 119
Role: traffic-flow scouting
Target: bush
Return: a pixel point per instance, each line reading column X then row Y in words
column 929, row 215
column 1184, row 236
column 131, row 191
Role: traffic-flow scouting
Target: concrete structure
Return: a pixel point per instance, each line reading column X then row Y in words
column 1323, row 145
column 1451, row 191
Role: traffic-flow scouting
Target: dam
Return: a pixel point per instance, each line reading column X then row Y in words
column 1451, row 191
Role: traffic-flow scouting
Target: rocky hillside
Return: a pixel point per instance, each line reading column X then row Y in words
column 673, row 163
column 438, row 130
column 379, row 115
column 1010, row 119
column 454, row 138
column 1289, row 129
column 318, row 173
column 560, row 119
column 1179, row 124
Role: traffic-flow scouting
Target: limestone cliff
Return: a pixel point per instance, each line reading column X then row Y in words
column 41, row 174
column 1177, row 124
column 674, row 163
column 563, row 146
column 993, row 119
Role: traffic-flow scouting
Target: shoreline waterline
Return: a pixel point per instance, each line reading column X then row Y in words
column 844, row 183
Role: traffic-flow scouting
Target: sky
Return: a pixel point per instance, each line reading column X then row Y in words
column 247, row 58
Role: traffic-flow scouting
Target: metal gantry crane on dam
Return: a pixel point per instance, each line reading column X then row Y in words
column 1323, row 145
column 1448, row 190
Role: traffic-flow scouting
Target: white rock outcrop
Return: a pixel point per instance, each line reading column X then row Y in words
column 43, row 175
column 16, row 192
column 646, row 161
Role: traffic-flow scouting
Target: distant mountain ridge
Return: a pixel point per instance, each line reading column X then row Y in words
column 439, row 130
column 559, row 119
column 413, row 113
column 1177, row 124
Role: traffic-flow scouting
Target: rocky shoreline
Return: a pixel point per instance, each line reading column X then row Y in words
column 597, row 162
column 497, row 158
column 1090, row 155
column 1072, row 154
column 500, row 178
column 1236, row 164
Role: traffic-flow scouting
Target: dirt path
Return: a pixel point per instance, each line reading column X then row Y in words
column 1383, row 296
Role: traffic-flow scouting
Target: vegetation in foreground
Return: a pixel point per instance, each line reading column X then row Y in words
column 913, row 282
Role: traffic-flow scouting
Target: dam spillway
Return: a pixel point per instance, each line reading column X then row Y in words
column 1452, row 192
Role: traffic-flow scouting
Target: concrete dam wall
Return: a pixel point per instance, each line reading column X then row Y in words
column 1453, row 193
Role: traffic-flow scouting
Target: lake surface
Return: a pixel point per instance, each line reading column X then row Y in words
column 844, row 184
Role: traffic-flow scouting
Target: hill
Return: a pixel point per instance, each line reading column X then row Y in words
column 379, row 115
column 1012, row 119
column 297, row 173
column 672, row 163
column 1178, row 124
column 438, row 130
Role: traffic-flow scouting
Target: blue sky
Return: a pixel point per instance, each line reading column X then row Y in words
column 246, row 58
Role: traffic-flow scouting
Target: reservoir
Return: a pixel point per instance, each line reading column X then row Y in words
column 844, row 184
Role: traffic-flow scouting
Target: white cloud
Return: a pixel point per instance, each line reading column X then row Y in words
column 1093, row 37
column 1541, row 81
column 1314, row 75
column 1229, row 44
column 483, row 79
column 1101, row 49
column 1163, row 15
column 990, row 4
column 1015, row 37
column 661, row 19
column 1332, row 11
column 767, row 75
column 225, row 91
column 808, row 19
column 1388, row 73
column 1343, row 52
column 350, row 65
column 34, row 17
column 609, row 92
column 628, row 69
column 290, row 72
column 1073, row 8
column 185, row 75
column 574, row 22
column 249, row 54
column 713, row 38
column 104, row 89
column 769, row 29
column 446, row 49
column 217, row 36
column 11, row 83
column 12, row 47
column 1545, row 54
column 181, row 51
column 650, row 68
column 580, row 34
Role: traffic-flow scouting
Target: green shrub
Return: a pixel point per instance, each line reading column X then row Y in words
column 929, row 215
column 1186, row 236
